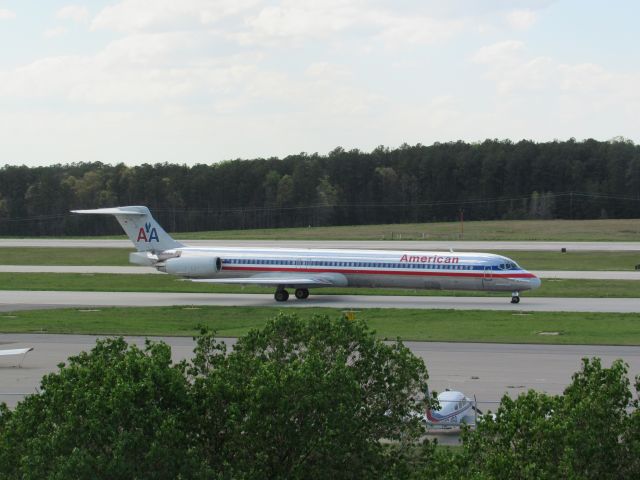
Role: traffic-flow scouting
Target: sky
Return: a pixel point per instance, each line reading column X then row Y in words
column 201, row 81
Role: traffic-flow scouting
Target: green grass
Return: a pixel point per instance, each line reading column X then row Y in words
column 548, row 230
column 616, row 230
column 530, row 260
column 64, row 256
column 603, row 261
column 426, row 325
column 167, row 283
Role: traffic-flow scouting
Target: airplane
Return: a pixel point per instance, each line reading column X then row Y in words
column 455, row 409
column 302, row 269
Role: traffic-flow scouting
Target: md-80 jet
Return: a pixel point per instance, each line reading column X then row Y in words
column 303, row 269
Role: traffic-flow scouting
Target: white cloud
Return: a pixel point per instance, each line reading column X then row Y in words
column 398, row 30
column 149, row 71
column 6, row 14
column 158, row 15
column 75, row 13
column 568, row 91
column 337, row 20
column 112, row 79
column 513, row 70
column 521, row 19
column 327, row 70
column 54, row 32
column 302, row 18
column 499, row 53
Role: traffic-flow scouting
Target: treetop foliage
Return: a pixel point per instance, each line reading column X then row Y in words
column 489, row 180
column 589, row 432
column 298, row 399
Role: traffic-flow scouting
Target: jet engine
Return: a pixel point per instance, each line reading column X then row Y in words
column 192, row 267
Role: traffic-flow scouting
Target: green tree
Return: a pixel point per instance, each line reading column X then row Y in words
column 298, row 399
column 306, row 399
column 117, row 412
column 328, row 196
column 585, row 433
column 284, row 195
column 631, row 439
column 270, row 186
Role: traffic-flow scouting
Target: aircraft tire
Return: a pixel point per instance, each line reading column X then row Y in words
column 515, row 299
column 281, row 296
column 302, row 293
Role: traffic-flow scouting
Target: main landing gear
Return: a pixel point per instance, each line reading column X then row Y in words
column 282, row 295
column 515, row 297
column 302, row 293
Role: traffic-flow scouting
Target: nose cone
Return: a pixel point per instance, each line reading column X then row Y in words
column 534, row 282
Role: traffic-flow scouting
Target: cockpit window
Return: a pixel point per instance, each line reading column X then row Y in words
column 509, row 266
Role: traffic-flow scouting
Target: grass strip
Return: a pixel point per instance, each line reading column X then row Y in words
column 100, row 282
column 408, row 324
column 112, row 257
column 602, row 230
column 531, row 260
column 609, row 230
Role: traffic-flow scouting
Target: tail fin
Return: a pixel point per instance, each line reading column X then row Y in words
column 145, row 233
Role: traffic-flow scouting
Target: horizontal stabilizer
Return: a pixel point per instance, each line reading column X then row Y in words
column 16, row 351
column 115, row 211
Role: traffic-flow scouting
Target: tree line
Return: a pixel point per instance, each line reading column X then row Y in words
column 318, row 398
column 489, row 180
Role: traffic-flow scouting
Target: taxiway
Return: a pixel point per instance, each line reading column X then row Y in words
column 22, row 300
column 485, row 370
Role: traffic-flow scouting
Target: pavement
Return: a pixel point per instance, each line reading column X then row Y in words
column 485, row 370
column 11, row 300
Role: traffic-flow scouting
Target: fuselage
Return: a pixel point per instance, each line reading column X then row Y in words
column 375, row 268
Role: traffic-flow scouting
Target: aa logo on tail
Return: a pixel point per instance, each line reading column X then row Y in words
column 147, row 233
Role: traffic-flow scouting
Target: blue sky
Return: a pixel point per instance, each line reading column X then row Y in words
column 200, row 81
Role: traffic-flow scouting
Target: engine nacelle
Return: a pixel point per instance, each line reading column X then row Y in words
column 192, row 267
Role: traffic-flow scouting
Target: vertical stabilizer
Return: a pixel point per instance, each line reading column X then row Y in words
column 141, row 228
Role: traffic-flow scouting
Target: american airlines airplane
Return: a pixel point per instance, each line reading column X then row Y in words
column 302, row 269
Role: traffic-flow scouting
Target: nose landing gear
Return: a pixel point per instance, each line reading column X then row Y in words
column 515, row 297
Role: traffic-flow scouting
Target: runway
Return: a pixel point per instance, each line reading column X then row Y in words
column 357, row 244
column 585, row 275
column 485, row 370
column 11, row 300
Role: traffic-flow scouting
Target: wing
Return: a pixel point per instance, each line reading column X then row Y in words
column 284, row 279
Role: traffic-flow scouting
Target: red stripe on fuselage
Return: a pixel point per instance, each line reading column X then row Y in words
column 449, row 273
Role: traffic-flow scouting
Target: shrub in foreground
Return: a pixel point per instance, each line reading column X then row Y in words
column 296, row 399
